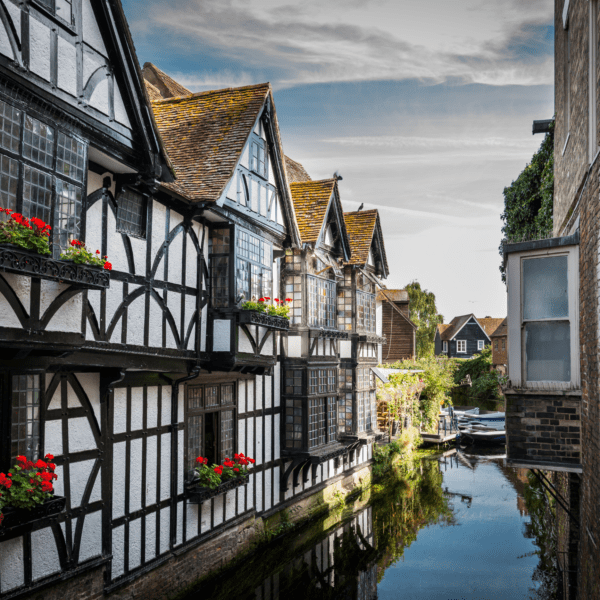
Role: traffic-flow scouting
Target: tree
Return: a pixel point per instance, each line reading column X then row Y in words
column 423, row 313
column 528, row 200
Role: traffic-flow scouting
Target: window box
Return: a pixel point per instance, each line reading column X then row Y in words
column 15, row 517
column 253, row 317
column 196, row 494
column 26, row 262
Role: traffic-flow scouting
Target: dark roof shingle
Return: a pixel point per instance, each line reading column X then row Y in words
column 489, row 324
column 205, row 134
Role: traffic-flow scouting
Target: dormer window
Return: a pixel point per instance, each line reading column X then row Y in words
column 258, row 162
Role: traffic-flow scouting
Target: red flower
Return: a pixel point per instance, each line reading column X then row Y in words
column 261, row 299
column 288, row 299
column 46, row 486
column 108, row 266
column 200, row 460
column 218, row 470
column 22, row 459
column 267, row 298
column 251, row 460
column 51, row 466
column 49, row 457
column 236, row 470
column 97, row 251
column 276, row 299
column 40, row 464
column 47, row 476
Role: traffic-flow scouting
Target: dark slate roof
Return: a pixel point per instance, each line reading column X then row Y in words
column 447, row 332
column 311, row 199
column 295, row 171
column 205, row 134
column 165, row 85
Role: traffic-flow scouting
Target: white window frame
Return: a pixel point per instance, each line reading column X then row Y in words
column 516, row 331
column 461, row 344
column 480, row 344
column 445, row 346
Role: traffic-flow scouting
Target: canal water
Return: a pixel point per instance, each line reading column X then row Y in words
column 458, row 527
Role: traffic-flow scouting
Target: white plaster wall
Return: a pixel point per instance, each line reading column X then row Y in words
column 175, row 273
column 44, row 554
column 156, row 317
column 8, row 317
column 250, row 396
column 345, row 348
column 258, row 482
column 250, row 449
column 39, row 49
column 5, row 47
column 166, row 405
column 230, row 504
column 191, row 262
column 174, row 306
column 67, row 67
column 136, row 319
column 119, row 465
column 90, row 382
column 192, row 516
column 277, row 386
column 120, row 410
column 218, row 503
column 159, row 219
column 179, row 527
column 11, row 564
column 100, row 97
column 138, row 248
column 294, row 349
column 241, row 387
column 135, row 543
column 204, row 321
column 204, row 510
column 120, row 110
column 268, row 391
column 190, row 307
column 267, row 349
column 165, row 467
column 165, row 529
column 80, row 435
column 91, row 31
column 79, row 474
column 268, row 440
column 53, row 437
column 150, row 546
column 221, row 335
column 91, row 536
column 244, row 344
column 118, row 551
column 259, row 441
column 258, row 394
column 68, row 317
column 21, row 286
column 115, row 246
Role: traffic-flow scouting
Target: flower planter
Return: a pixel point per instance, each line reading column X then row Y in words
column 14, row 517
column 26, row 262
column 197, row 495
column 253, row 317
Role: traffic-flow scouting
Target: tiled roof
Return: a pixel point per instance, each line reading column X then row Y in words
column 502, row 329
column 360, row 226
column 165, row 85
column 205, row 134
column 295, row 171
column 153, row 92
column 311, row 199
column 393, row 295
column 447, row 332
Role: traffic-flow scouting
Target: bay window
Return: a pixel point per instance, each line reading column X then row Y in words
column 543, row 305
column 253, row 266
column 321, row 302
column 365, row 307
column 42, row 172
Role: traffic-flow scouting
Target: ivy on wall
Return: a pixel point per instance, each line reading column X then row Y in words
column 528, row 200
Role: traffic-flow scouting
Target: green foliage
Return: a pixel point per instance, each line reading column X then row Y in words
column 81, row 255
column 280, row 309
column 485, row 381
column 438, row 380
column 30, row 234
column 423, row 313
column 529, row 199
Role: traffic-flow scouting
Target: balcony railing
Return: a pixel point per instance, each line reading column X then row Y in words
column 252, row 317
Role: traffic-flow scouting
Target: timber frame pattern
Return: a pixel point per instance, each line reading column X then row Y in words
column 127, row 377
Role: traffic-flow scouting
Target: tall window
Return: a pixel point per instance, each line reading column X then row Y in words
column 366, row 401
column 219, row 267
column 445, row 347
column 461, row 346
column 210, row 423
column 480, row 344
column 258, row 161
column 131, row 213
column 25, row 424
column 365, row 306
column 345, row 310
column 49, row 165
column 321, row 302
column 345, row 401
column 254, row 266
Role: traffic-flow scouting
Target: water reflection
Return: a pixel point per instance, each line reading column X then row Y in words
column 463, row 525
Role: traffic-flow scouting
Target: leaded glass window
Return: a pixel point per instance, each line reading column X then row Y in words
column 365, row 306
column 254, row 266
column 293, row 290
column 61, row 8
column 258, row 158
column 43, row 175
column 331, row 417
column 293, row 382
column 210, row 423
column 345, row 310
column 25, row 424
column 293, row 423
column 317, row 422
column 131, row 213
column 345, row 412
column 321, row 302
column 219, row 267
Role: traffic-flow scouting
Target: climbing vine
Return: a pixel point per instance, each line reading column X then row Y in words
column 528, row 200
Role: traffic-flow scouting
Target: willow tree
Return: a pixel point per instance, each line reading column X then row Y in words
column 423, row 313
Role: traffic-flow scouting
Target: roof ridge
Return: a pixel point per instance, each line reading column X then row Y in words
column 207, row 92
column 313, row 181
column 362, row 212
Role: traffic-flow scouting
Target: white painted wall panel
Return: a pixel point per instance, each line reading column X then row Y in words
column 268, row 489
column 53, row 440
column 118, row 479
column 5, row 47
column 137, row 408
column 96, row 494
column 80, row 435
column 156, row 316
column 259, row 493
column 276, row 481
column 268, row 438
column 151, row 464
column 258, row 395
column 175, row 274
column 277, row 427
column 135, row 543
column 138, row 248
column 91, row 536
column 68, row 317
column 345, row 349
column 135, row 476
column 114, row 299
column 21, row 286
column 165, row 466
column 230, row 504
column 250, row 449
column 218, row 509
column 277, row 386
column 221, row 335
column 241, row 494
column 180, row 465
column 268, row 386
column 165, row 418
column 259, row 441
column 152, row 407
column 159, row 215
column 203, row 330
column 120, row 110
column 267, row 349
column 190, row 308
column 294, row 346
column 179, row 529
column 244, row 344
column 91, row 31
column 150, row 546
column 241, row 396
column 11, row 564
column 79, row 474
column 165, row 516
column 39, row 49
column 115, row 246
column 174, row 305
column 118, row 551
column 99, row 98
column 59, row 484
column 241, row 437
column 135, row 319
column 205, row 516
column 250, row 394
column 90, row 382
column 120, row 410
column 191, row 514
column 191, row 263
column 44, row 554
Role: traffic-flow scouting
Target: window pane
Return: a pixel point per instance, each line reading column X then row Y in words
column 194, row 397
column 212, row 396
column 293, row 423
column 331, row 418
column 131, row 213
column 67, row 216
column 545, row 291
column 226, row 395
column 38, row 142
column 25, row 427
column 194, row 431
column 63, row 9
column 37, row 194
column 226, row 434
column 10, row 127
column 9, row 178
column 70, row 157
column 548, row 351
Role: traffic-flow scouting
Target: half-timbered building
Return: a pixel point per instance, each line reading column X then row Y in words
column 127, row 377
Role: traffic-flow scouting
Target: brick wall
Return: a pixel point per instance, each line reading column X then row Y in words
column 543, row 429
column 500, row 355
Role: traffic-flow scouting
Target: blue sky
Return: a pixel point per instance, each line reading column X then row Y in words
column 425, row 108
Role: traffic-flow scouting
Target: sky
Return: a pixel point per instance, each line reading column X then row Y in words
column 424, row 108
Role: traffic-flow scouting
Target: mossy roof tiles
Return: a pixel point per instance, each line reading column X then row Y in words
column 166, row 86
column 311, row 199
column 295, row 171
column 205, row 134
column 393, row 295
column 360, row 226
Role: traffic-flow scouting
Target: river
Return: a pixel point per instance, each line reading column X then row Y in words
column 458, row 527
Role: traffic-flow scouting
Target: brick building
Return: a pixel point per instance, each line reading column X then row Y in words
column 499, row 348
column 553, row 420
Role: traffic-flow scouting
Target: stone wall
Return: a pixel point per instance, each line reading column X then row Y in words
column 543, row 429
